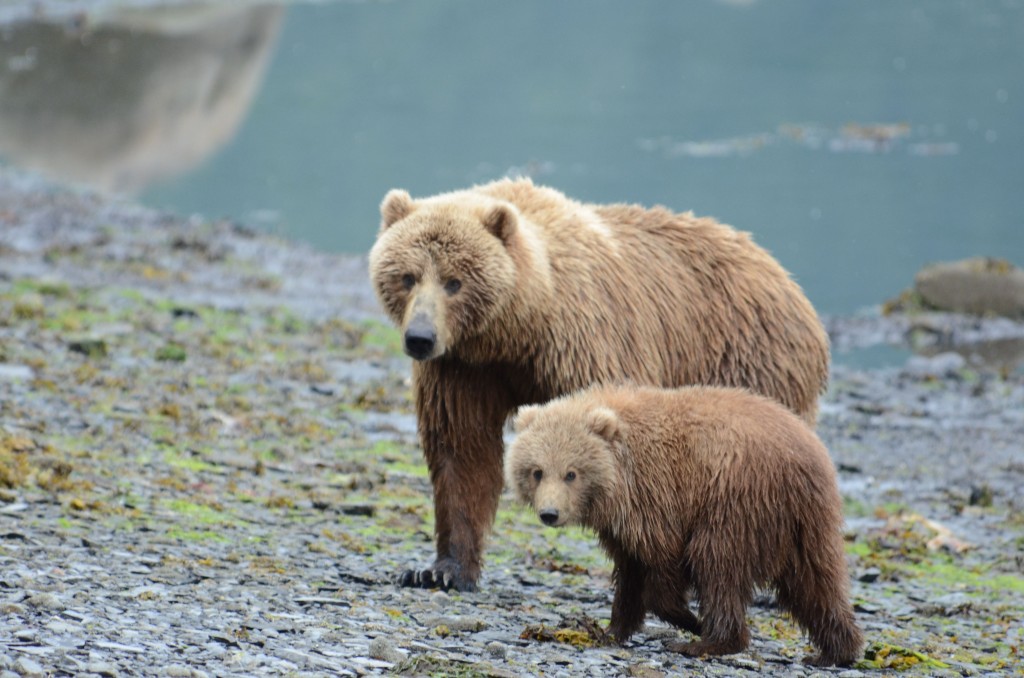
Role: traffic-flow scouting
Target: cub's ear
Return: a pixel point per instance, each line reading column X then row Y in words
column 397, row 205
column 526, row 414
column 501, row 222
column 604, row 422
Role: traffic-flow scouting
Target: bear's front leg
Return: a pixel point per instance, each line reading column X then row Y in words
column 461, row 411
column 667, row 596
column 724, row 595
column 628, row 609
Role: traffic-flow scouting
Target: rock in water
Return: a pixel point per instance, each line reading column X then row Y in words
column 980, row 285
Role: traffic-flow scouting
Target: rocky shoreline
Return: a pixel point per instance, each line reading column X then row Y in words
column 209, row 466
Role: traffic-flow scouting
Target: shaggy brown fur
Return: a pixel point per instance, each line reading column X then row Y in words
column 711, row 489
column 509, row 294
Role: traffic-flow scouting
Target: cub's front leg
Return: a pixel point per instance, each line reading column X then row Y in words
column 628, row 609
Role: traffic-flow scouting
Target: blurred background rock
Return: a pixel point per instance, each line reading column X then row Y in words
column 132, row 96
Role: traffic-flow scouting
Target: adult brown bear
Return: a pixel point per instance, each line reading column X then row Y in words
column 510, row 293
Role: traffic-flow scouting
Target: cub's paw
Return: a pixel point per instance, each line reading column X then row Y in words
column 618, row 634
column 682, row 619
column 704, row 648
column 444, row 574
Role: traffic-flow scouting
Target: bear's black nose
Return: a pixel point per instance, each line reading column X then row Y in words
column 549, row 516
column 419, row 342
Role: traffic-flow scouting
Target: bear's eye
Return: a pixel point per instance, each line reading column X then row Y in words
column 453, row 286
column 408, row 281
column 538, row 474
column 570, row 476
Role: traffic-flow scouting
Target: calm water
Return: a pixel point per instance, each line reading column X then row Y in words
column 856, row 140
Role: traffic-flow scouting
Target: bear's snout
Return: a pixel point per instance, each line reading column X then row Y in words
column 548, row 516
column 420, row 340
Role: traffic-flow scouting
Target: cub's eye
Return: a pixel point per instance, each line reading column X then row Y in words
column 453, row 286
column 538, row 474
column 570, row 476
column 408, row 281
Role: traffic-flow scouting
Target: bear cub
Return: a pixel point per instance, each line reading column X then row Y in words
column 714, row 491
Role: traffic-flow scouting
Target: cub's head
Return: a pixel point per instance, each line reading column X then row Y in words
column 563, row 462
column 442, row 267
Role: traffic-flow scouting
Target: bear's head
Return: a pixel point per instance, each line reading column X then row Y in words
column 443, row 268
column 563, row 461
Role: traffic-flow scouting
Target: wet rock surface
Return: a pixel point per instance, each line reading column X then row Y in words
column 230, row 485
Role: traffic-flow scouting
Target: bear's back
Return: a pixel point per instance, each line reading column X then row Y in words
column 660, row 298
column 704, row 456
column 725, row 424
column 717, row 442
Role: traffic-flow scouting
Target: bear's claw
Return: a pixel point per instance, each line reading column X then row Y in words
column 436, row 577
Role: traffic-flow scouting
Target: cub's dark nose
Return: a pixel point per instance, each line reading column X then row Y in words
column 419, row 342
column 548, row 516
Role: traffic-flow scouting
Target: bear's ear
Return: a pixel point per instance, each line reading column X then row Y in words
column 501, row 222
column 524, row 417
column 604, row 422
column 397, row 205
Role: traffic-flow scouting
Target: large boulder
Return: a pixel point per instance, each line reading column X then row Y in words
column 980, row 285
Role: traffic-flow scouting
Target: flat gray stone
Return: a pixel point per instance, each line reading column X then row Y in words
column 103, row 668
column 28, row 668
column 10, row 372
column 46, row 601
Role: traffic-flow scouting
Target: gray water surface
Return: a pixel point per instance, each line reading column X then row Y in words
column 856, row 140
